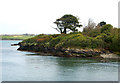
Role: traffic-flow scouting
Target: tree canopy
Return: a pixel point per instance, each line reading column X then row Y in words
column 67, row 23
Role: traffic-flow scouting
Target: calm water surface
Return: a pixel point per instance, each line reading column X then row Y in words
column 17, row 66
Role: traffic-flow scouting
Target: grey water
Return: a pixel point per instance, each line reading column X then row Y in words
column 18, row 66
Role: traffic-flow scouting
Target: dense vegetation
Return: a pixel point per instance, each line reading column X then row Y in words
column 103, row 36
column 106, row 37
column 108, row 34
column 73, row 40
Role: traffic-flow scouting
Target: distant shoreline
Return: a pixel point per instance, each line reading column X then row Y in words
column 15, row 37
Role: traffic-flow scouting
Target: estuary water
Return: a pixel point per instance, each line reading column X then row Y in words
column 18, row 66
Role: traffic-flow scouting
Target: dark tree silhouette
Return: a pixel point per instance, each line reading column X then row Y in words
column 102, row 23
column 67, row 23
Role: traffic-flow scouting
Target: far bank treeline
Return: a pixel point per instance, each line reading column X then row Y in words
column 100, row 37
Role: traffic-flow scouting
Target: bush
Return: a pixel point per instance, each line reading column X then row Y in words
column 106, row 28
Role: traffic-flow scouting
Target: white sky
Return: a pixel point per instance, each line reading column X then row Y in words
column 37, row 16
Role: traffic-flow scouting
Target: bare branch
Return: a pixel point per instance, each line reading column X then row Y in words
column 56, row 29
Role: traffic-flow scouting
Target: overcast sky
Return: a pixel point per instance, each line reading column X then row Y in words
column 37, row 16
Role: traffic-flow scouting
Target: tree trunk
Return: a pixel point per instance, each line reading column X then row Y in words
column 65, row 30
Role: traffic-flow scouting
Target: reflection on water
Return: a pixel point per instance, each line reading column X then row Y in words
column 17, row 66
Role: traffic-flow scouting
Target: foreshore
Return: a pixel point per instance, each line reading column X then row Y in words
column 63, row 52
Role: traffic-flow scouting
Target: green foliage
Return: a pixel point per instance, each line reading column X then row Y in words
column 72, row 40
column 106, row 28
column 93, row 33
column 109, row 36
column 115, row 45
column 67, row 21
column 106, row 37
column 40, row 40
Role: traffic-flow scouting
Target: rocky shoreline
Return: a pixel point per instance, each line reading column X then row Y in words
column 65, row 52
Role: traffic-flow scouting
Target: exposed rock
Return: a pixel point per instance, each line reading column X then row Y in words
column 110, row 55
column 14, row 44
column 66, row 52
